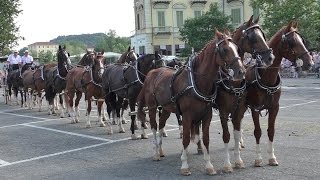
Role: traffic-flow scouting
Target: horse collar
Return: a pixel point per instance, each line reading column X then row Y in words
column 269, row 89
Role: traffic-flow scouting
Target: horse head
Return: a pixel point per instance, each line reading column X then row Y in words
column 88, row 58
column 128, row 57
column 98, row 64
column 251, row 39
column 63, row 57
column 227, row 57
column 293, row 46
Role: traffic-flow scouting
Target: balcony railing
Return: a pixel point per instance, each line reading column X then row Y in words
column 161, row 1
column 162, row 30
column 198, row 1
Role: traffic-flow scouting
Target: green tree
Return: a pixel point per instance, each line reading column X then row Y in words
column 198, row 31
column 112, row 42
column 9, row 32
column 278, row 13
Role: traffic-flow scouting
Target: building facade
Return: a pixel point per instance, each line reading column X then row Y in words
column 43, row 47
column 157, row 22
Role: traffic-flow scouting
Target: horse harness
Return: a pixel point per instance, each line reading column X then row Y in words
column 237, row 92
column 269, row 91
column 285, row 39
column 88, row 69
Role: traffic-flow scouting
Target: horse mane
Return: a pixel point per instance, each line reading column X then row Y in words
column 280, row 33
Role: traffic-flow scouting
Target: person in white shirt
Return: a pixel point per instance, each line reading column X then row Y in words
column 26, row 58
column 14, row 60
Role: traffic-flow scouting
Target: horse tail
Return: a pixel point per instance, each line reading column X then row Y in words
column 49, row 94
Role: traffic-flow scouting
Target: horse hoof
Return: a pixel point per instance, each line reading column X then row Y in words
column 185, row 172
column 114, row 123
column 227, row 169
column 273, row 162
column 109, row 132
column 73, row 122
column 122, row 131
column 77, row 121
column 88, row 126
column 134, row 137
column 145, row 126
column 258, row 163
column 161, row 153
column 200, row 151
column 164, row 134
column 239, row 165
column 144, row 136
column 124, row 122
column 102, row 125
column 211, row 171
column 156, row 157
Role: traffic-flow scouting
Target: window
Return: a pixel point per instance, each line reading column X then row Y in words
column 235, row 15
column 197, row 14
column 161, row 20
column 141, row 49
column 179, row 18
column 138, row 21
column 256, row 12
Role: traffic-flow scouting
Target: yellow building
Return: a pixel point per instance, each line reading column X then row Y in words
column 44, row 47
column 157, row 22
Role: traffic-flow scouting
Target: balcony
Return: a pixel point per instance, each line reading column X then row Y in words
column 192, row 2
column 162, row 30
column 161, row 1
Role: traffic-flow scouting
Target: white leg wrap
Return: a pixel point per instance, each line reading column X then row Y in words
column 227, row 155
column 156, row 154
column 258, row 152
column 270, row 150
column 206, row 156
column 237, row 137
column 184, row 159
column 88, row 125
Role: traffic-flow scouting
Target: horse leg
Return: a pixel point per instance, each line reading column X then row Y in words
column 271, row 122
column 162, row 122
column 23, row 97
column 103, row 111
column 88, row 102
column 205, row 146
column 257, row 135
column 123, row 119
column 227, row 167
column 185, row 141
column 196, row 138
column 77, row 111
column 180, row 125
column 70, row 96
column 61, row 101
column 39, row 100
column 118, row 109
column 238, row 135
column 154, row 128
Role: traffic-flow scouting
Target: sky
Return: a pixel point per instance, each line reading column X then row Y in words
column 43, row 20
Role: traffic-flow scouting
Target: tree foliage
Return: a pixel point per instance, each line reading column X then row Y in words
column 9, row 32
column 278, row 13
column 198, row 31
column 112, row 42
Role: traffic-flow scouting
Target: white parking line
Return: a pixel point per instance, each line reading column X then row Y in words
column 2, row 162
column 69, row 151
column 69, row 133
column 34, row 122
column 293, row 105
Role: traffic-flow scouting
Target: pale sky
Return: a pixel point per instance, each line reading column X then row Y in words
column 43, row 20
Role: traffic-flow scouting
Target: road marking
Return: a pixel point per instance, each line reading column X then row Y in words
column 34, row 122
column 293, row 105
column 69, row 133
column 2, row 162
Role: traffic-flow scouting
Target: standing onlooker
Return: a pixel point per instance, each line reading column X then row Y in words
column 14, row 60
column 26, row 58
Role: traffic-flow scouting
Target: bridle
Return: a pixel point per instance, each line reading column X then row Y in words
column 258, row 55
column 226, row 68
column 285, row 39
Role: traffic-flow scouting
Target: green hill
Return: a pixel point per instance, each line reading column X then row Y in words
column 90, row 40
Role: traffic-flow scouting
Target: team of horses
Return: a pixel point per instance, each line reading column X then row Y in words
column 214, row 78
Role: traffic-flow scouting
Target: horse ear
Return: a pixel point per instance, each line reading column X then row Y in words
column 295, row 24
column 227, row 32
column 60, row 47
column 129, row 48
column 256, row 20
column 64, row 47
column 219, row 35
column 250, row 21
column 102, row 52
column 289, row 26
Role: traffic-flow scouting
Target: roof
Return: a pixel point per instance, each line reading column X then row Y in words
column 42, row 44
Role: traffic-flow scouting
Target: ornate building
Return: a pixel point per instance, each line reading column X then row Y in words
column 157, row 22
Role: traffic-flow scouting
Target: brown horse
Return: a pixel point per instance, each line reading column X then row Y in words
column 264, row 84
column 191, row 91
column 86, row 80
column 34, row 80
column 128, row 56
column 231, row 95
